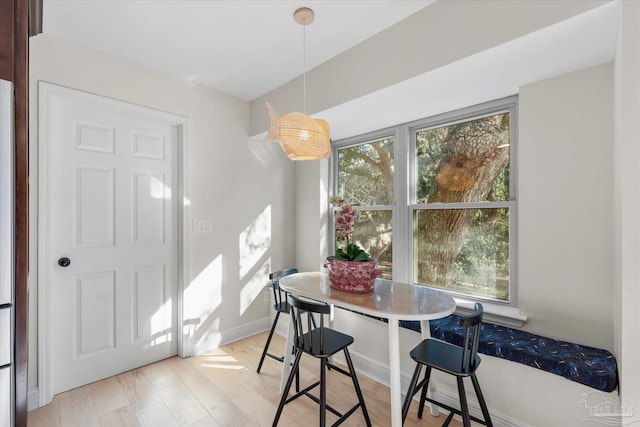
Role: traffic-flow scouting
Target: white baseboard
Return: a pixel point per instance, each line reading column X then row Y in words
column 450, row 397
column 244, row 331
column 217, row 339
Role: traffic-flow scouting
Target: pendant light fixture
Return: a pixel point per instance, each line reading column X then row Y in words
column 300, row 136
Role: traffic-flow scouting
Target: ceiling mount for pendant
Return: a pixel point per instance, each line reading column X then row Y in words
column 303, row 16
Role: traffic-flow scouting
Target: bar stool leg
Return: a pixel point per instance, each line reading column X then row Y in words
column 356, row 385
column 285, row 393
column 425, row 389
column 323, row 392
column 481, row 401
column 266, row 346
column 466, row 421
column 411, row 391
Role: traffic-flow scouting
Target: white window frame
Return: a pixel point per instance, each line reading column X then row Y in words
column 392, row 132
column 502, row 312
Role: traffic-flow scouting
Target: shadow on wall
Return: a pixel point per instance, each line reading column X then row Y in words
column 206, row 293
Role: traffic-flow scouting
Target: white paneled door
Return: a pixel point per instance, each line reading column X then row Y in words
column 112, row 239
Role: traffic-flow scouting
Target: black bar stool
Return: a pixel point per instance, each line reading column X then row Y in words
column 280, row 306
column 452, row 359
column 321, row 343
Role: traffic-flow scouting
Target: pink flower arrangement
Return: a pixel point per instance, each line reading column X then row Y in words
column 344, row 219
column 351, row 269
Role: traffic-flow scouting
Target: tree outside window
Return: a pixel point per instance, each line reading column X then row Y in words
column 460, row 206
column 366, row 179
column 463, row 165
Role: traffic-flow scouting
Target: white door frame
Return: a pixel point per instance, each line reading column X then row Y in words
column 47, row 92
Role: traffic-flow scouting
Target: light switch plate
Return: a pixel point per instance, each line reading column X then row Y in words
column 202, row 226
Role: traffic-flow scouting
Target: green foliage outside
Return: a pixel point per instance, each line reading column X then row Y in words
column 480, row 242
column 481, row 263
column 365, row 178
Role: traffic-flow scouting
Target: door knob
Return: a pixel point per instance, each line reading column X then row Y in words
column 64, row 262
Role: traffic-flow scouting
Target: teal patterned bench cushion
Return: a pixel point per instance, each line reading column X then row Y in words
column 590, row 366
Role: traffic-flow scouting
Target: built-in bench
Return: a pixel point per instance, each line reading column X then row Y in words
column 590, row 366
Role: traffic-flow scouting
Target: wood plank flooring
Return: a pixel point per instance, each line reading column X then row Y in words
column 218, row 389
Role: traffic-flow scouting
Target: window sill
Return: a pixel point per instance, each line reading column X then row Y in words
column 493, row 313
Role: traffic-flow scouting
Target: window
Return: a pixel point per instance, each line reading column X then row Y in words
column 454, row 214
column 366, row 179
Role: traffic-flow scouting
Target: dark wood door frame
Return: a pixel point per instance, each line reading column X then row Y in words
column 14, row 56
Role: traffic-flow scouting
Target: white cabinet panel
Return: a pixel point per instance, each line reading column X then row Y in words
column 6, row 406
column 5, row 336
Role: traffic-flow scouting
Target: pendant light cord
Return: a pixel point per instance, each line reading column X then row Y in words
column 304, row 69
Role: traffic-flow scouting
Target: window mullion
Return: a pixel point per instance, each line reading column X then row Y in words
column 401, row 239
column 468, row 205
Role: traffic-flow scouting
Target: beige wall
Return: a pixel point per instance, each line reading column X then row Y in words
column 232, row 180
column 565, row 206
column 312, row 210
column 627, row 206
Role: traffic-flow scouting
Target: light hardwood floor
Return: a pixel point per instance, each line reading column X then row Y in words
column 220, row 388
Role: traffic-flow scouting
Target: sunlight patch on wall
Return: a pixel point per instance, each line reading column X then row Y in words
column 254, row 286
column 207, row 335
column 202, row 297
column 266, row 151
column 254, row 241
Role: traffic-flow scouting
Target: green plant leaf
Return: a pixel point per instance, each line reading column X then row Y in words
column 353, row 253
column 361, row 257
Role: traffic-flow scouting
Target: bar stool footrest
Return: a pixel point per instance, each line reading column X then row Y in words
column 278, row 358
column 453, row 411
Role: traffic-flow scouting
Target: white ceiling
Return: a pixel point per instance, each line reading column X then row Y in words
column 239, row 47
column 247, row 48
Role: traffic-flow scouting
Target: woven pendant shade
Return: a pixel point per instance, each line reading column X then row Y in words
column 300, row 136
